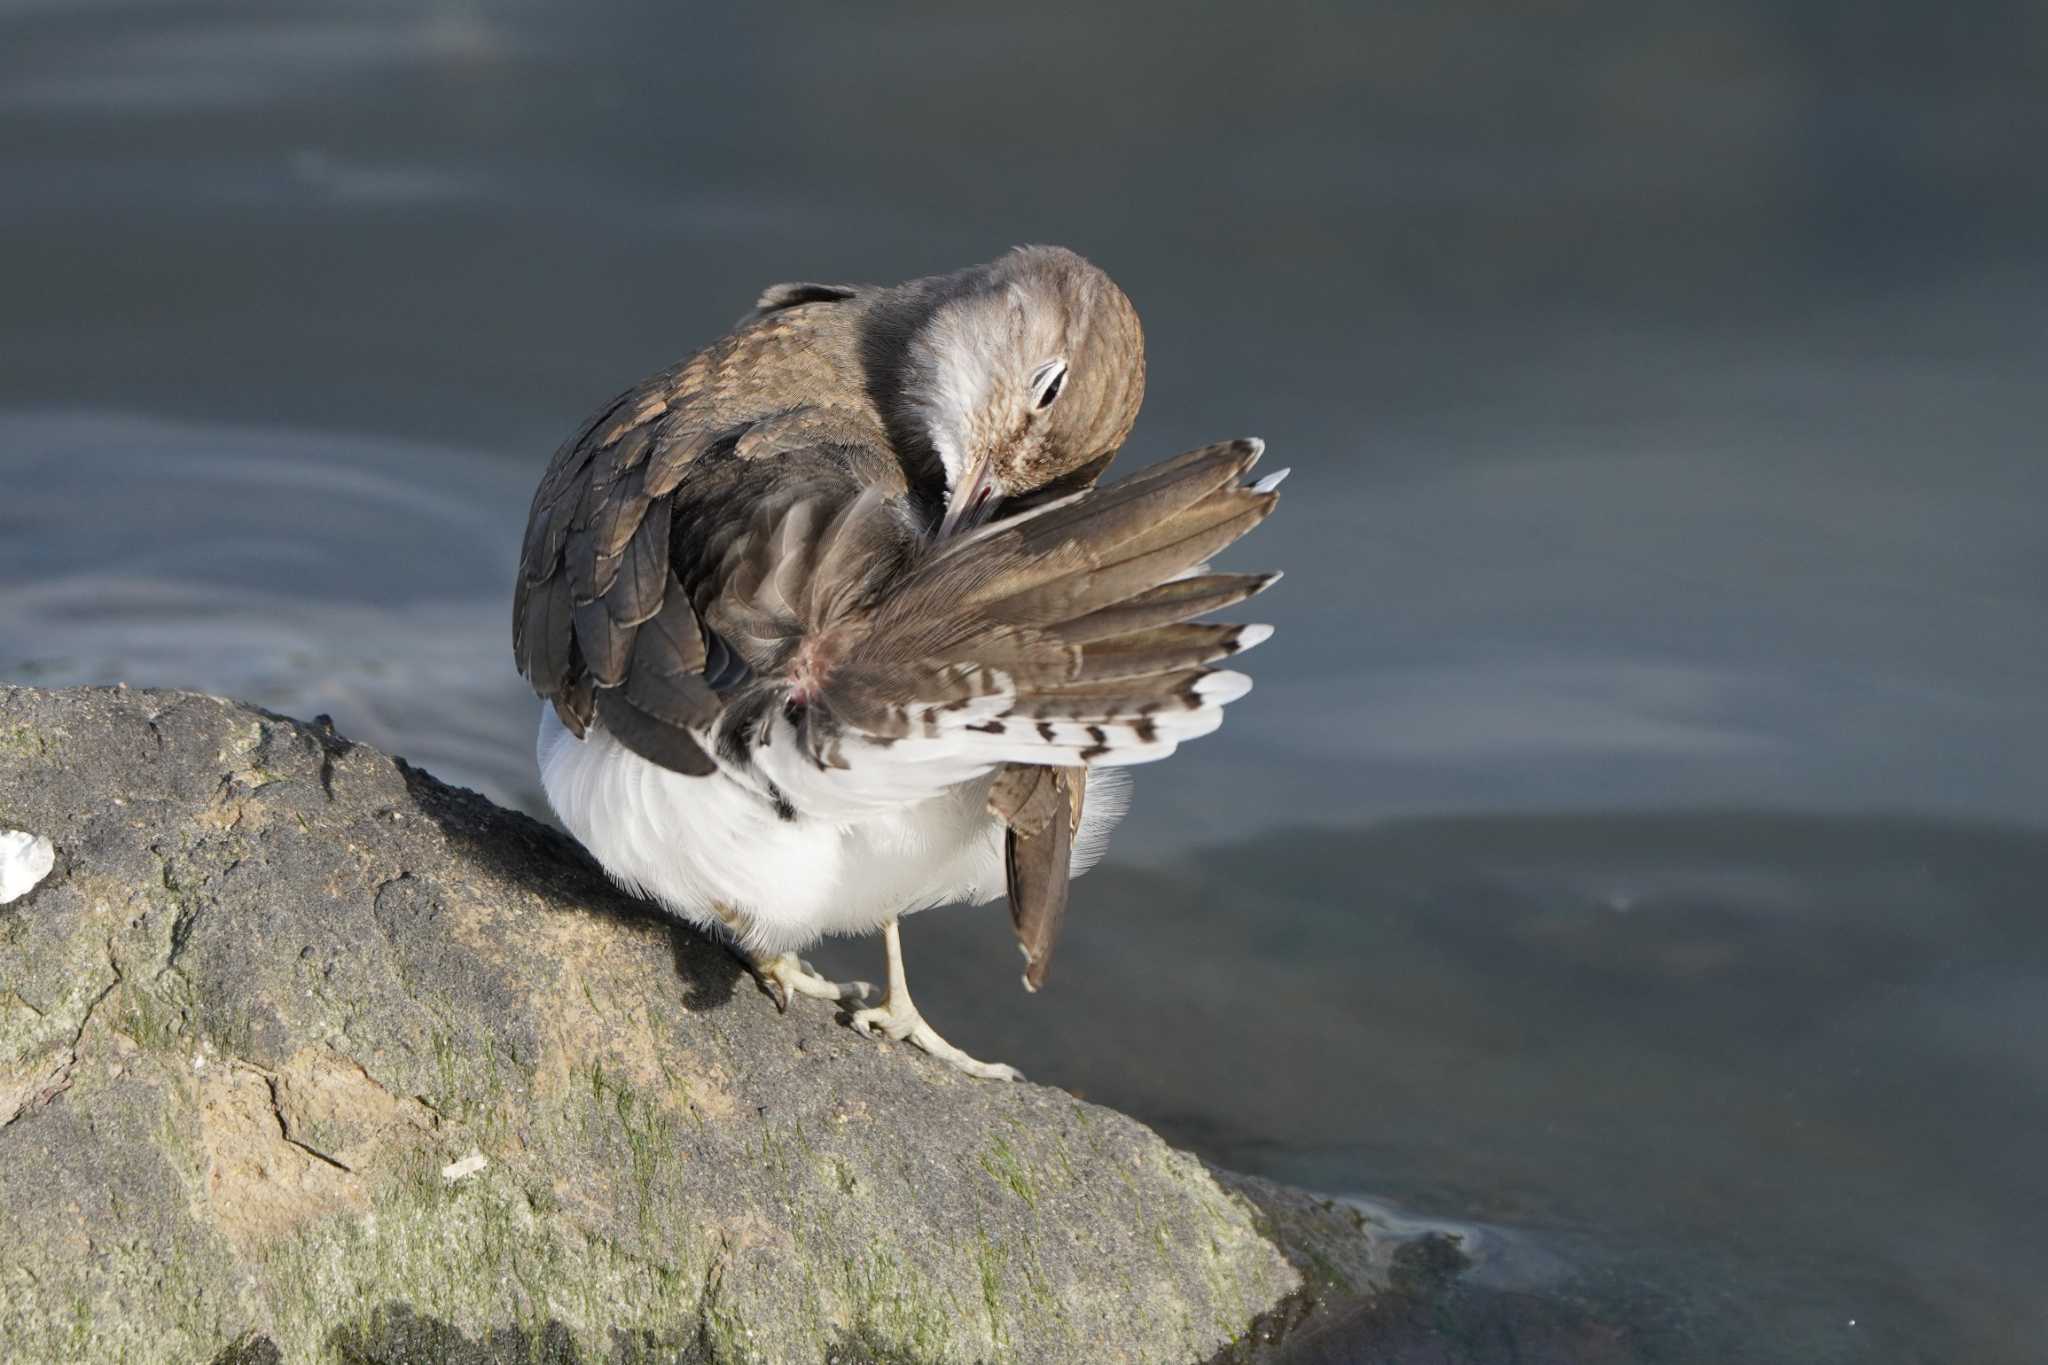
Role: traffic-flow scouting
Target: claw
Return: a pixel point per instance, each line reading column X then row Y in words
column 786, row 975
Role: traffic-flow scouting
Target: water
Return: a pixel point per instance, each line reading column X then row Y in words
column 1634, row 849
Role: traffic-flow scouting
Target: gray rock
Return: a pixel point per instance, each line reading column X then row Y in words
column 280, row 992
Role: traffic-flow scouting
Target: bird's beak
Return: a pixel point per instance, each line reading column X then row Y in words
column 974, row 498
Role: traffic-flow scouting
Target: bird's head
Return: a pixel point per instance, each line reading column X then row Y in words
column 1027, row 372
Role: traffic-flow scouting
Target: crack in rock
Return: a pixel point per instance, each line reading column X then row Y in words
column 39, row 1090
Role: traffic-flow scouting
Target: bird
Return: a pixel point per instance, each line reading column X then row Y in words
column 834, row 621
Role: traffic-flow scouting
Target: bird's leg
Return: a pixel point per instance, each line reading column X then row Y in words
column 785, row 974
column 896, row 1017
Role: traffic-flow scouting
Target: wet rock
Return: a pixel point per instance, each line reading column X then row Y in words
column 306, row 1056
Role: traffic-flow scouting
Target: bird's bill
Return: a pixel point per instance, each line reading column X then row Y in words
column 974, row 498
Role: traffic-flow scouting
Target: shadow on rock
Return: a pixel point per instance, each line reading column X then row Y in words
column 396, row 1335
column 522, row 849
column 249, row 1349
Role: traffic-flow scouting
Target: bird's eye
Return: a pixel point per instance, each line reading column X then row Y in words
column 1046, row 381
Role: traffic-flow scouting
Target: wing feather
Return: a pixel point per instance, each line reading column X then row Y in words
column 1062, row 636
column 1038, row 851
column 606, row 623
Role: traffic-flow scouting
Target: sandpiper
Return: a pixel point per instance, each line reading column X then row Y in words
column 831, row 622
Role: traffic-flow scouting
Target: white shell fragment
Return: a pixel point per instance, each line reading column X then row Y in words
column 25, row 859
column 469, row 1165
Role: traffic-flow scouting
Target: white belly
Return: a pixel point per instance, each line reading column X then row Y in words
column 695, row 842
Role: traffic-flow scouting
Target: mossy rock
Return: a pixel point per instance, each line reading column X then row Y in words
column 282, row 992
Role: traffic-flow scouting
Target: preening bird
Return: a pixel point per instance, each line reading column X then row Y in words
column 832, row 623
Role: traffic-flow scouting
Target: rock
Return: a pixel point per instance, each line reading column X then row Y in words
column 306, row 1056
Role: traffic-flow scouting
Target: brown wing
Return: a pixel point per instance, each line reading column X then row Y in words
column 1041, row 811
column 1036, row 862
column 593, row 607
column 1038, row 850
column 603, row 625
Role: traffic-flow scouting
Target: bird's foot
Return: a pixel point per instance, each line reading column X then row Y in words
column 896, row 1018
column 786, row 974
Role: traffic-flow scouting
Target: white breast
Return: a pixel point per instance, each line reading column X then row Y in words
column 695, row 842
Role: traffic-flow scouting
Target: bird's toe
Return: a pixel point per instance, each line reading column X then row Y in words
column 786, row 975
column 908, row 1026
column 927, row 1039
column 885, row 1021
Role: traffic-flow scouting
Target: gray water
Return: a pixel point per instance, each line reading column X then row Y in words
column 1634, row 851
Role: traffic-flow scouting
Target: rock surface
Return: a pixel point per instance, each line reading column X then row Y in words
column 306, row 1056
